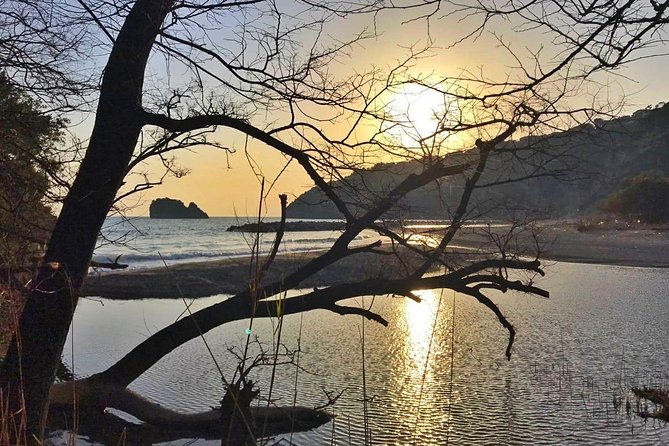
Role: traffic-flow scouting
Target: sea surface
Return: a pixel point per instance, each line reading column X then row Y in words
column 144, row 242
column 436, row 375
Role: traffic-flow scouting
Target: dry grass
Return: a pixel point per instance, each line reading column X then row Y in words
column 658, row 396
column 11, row 305
column 12, row 425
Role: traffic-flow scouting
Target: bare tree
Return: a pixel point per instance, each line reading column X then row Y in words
column 42, row 52
column 272, row 74
column 265, row 67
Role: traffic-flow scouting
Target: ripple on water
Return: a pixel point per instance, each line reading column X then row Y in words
column 603, row 330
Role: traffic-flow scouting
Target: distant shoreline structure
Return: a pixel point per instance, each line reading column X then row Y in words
column 289, row 226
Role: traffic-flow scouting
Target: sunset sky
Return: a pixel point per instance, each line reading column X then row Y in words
column 223, row 184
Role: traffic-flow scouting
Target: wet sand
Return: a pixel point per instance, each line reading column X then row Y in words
column 640, row 248
column 228, row 276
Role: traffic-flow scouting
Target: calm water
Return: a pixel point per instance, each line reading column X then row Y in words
column 603, row 330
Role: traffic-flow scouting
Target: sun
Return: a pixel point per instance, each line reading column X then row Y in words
column 417, row 115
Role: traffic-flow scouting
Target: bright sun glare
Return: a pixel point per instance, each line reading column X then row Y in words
column 417, row 112
column 421, row 318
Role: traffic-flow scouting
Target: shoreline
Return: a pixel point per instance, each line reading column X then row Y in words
column 231, row 275
column 639, row 248
column 562, row 243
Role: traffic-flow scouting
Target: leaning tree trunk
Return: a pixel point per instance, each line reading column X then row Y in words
column 30, row 365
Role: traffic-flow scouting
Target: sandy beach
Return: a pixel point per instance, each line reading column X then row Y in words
column 227, row 276
column 560, row 242
column 641, row 247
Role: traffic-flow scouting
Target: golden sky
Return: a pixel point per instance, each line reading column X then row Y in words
column 225, row 185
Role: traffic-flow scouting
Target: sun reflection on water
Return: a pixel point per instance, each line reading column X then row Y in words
column 425, row 240
column 427, row 363
column 420, row 319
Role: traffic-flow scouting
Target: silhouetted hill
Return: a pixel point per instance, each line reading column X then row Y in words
column 170, row 208
column 574, row 171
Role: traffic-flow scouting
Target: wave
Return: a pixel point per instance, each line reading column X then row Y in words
column 137, row 257
column 142, row 259
column 312, row 240
column 188, row 242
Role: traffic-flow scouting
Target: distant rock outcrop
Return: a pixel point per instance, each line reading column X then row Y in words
column 170, row 208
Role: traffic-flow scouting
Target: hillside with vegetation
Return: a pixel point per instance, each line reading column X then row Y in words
column 643, row 198
column 28, row 160
column 570, row 174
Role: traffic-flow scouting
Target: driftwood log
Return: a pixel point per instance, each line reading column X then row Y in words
column 112, row 264
column 160, row 423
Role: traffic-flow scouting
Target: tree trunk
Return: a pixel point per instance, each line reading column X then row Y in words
column 31, row 361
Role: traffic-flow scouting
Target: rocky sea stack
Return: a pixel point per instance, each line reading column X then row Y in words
column 170, row 208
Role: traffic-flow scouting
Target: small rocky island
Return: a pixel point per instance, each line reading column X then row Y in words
column 170, row 208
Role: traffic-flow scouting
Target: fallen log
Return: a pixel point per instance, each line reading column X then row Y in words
column 109, row 265
column 160, row 423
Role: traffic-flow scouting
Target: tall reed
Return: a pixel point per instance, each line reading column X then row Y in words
column 13, row 424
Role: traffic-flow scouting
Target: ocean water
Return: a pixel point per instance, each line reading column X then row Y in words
column 142, row 241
